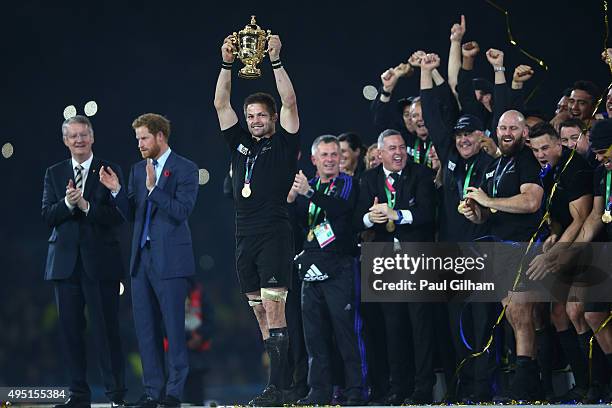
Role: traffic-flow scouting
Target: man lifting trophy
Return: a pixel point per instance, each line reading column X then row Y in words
column 264, row 165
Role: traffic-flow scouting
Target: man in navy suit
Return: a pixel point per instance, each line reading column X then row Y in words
column 84, row 262
column 161, row 194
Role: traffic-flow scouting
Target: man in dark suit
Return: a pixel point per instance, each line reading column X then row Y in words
column 84, row 262
column 161, row 194
column 396, row 201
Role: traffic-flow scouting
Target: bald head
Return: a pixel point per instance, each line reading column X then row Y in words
column 511, row 132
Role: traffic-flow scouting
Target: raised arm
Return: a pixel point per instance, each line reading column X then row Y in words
column 289, row 119
column 454, row 54
column 225, row 113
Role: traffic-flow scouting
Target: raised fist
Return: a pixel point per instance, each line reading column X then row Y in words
column 495, row 57
column 430, row 61
column 228, row 50
column 274, row 47
column 470, row 49
column 415, row 58
column 522, row 73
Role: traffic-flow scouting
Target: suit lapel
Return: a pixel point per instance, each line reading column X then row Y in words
column 92, row 178
column 67, row 174
column 380, row 182
column 166, row 173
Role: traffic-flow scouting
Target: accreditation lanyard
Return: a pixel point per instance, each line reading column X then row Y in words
column 390, row 191
column 608, row 183
column 250, row 163
column 313, row 209
column 497, row 178
column 417, row 152
column 466, row 181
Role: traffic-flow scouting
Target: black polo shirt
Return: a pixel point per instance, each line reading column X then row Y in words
column 522, row 168
column 273, row 174
column 573, row 184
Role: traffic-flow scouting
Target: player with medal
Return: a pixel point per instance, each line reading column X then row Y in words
column 264, row 163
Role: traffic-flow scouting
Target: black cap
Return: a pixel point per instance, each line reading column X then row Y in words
column 468, row 123
column 402, row 103
column 601, row 134
column 484, row 85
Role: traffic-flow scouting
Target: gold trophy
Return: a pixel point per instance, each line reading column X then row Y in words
column 250, row 43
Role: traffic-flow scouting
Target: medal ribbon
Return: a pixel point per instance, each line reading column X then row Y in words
column 250, row 163
column 608, row 198
column 496, row 178
column 466, row 182
column 417, row 152
column 313, row 209
column 390, row 191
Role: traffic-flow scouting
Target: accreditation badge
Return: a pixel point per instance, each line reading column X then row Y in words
column 324, row 234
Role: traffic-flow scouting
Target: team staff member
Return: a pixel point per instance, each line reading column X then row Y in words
column 569, row 207
column 463, row 165
column 84, row 262
column 263, row 168
column 509, row 200
column 324, row 208
column 395, row 201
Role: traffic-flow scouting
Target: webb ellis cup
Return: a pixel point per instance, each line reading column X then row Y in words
column 250, row 43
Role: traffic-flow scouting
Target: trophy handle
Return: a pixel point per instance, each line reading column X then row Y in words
column 235, row 42
column 268, row 35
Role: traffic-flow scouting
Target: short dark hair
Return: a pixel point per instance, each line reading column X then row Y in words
column 154, row 122
column 535, row 113
column 353, row 140
column 263, row 98
column 567, row 92
column 572, row 122
column 541, row 129
column 589, row 87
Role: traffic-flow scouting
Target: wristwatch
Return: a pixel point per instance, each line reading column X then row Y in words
column 309, row 193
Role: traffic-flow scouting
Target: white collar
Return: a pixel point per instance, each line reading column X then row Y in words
column 86, row 164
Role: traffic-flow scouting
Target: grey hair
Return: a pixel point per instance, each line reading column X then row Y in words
column 83, row 120
column 323, row 139
column 386, row 133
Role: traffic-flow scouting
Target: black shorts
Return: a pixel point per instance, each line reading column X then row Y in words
column 597, row 307
column 265, row 260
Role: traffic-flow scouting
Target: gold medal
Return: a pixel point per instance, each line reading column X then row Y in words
column 390, row 226
column 310, row 236
column 246, row 191
column 606, row 217
column 493, row 210
column 461, row 207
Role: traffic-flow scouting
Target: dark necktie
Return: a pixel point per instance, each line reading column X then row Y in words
column 395, row 177
column 145, row 228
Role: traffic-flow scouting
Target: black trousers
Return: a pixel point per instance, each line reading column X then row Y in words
column 298, row 359
column 102, row 300
column 328, row 310
column 474, row 321
column 409, row 324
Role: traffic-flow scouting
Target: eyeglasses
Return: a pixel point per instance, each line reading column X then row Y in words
column 82, row 136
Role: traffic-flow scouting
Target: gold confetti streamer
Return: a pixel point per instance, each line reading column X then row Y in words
column 512, row 41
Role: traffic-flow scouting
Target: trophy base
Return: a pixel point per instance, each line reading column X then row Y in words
column 249, row 73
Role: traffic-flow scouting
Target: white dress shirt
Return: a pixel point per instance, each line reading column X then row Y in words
column 86, row 165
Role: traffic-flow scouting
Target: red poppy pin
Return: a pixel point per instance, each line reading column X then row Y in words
column 166, row 173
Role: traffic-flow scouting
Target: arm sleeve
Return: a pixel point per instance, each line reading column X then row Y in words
column 107, row 212
column 54, row 209
column 438, row 132
column 385, row 115
column 465, row 91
